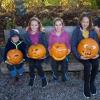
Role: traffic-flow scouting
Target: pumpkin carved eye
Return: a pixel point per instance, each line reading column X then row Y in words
column 36, row 49
column 85, row 46
column 16, row 55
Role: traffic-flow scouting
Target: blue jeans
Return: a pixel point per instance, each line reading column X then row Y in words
column 16, row 69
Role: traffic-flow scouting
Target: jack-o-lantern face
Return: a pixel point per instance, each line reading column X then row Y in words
column 37, row 51
column 14, row 56
column 59, row 51
column 88, row 48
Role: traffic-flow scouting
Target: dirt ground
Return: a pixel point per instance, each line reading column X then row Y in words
column 71, row 90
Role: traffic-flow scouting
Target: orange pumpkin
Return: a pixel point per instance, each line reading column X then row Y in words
column 14, row 56
column 88, row 48
column 58, row 51
column 37, row 51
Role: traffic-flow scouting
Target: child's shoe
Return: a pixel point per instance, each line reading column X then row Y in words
column 44, row 82
column 93, row 89
column 31, row 82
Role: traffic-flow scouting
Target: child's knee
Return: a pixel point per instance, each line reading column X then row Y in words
column 13, row 72
column 20, row 70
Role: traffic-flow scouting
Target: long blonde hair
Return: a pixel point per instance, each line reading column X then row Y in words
column 35, row 19
column 58, row 19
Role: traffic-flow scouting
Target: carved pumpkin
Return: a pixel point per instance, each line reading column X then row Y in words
column 37, row 51
column 14, row 56
column 59, row 51
column 88, row 48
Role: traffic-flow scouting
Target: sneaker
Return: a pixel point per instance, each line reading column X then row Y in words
column 31, row 82
column 87, row 96
column 44, row 82
column 54, row 78
column 16, row 79
column 65, row 78
column 93, row 89
column 87, row 93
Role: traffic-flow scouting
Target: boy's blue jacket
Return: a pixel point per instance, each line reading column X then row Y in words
column 77, row 37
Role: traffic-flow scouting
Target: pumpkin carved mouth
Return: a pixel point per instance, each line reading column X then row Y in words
column 88, row 53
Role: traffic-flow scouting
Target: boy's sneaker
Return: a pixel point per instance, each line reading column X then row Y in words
column 93, row 89
column 16, row 79
column 44, row 82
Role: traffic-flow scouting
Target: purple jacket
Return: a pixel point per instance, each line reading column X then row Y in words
column 62, row 38
column 34, row 38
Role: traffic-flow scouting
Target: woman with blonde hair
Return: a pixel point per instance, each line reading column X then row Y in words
column 58, row 35
column 33, row 36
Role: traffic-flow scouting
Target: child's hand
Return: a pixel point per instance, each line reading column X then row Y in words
column 27, row 56
column 83, row 58
column 7, row 62
column 96, row 56
column 97, row 29
column 22, row 61
column 69, row 51
column 43, row 58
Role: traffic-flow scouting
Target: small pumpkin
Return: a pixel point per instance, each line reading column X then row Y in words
column 59, row 51
column 14, row 56
column 88, row 48
column 37, row 51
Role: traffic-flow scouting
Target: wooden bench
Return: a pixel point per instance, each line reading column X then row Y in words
column 74, row 65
